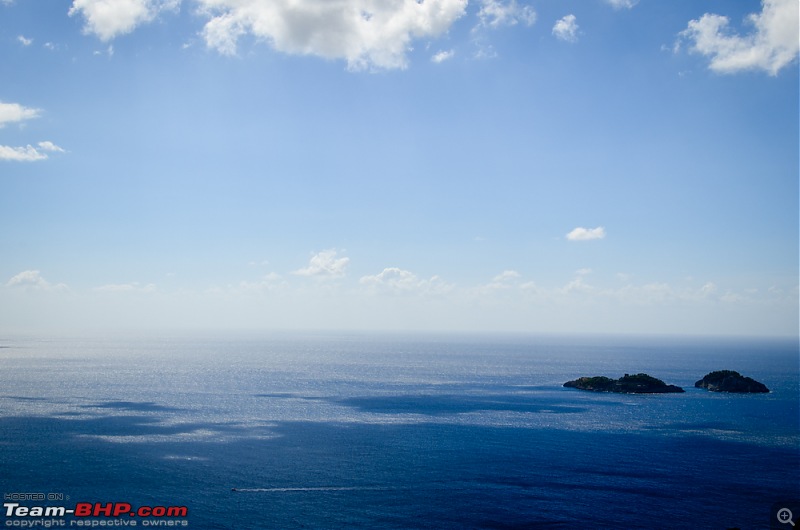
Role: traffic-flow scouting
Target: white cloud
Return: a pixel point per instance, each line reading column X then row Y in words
column 27, row 278
column 14, row 112
column 50, row 146
column 393, row 278
column 496, row 13
column 396, row 280
column 443, row 56
column 631, row 294
column 32, row 279
column 566, row 29
column 622, row 4
column 126, row 288
column 587, row 234
column 28, row 153
column 21, row 154
column 110, row 18
column 661, row 293
column 365, row 33
column 772, row 44
column 506, row 280
column 577, row 284
column 506, row 276
column 24, row 41
column 325, row 264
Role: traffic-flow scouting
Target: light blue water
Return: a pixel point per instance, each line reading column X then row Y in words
column 390, row 431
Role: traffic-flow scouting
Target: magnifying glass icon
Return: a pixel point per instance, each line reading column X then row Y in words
column 785, row 516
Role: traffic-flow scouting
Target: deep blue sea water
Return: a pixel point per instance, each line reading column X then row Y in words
column 394, row 431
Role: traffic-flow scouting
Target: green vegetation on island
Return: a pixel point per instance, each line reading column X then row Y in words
column 730, row 381
column 627, row 384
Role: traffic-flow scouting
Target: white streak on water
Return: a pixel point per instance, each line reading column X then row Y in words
column 311, row 489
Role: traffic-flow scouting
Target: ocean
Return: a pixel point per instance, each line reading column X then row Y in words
column 380, row 431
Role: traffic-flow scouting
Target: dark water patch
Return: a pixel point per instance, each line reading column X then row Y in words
column 66, row 430
column 135, row 406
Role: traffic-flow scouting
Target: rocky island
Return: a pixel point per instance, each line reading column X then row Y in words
column 627, row 384
column 730, row 381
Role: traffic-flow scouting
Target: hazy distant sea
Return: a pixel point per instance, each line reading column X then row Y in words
column 395, row 431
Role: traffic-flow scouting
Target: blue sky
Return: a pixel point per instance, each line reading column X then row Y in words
column 490, row 165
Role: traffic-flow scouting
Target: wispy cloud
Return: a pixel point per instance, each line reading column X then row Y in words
column 493, row 15
column 498, row 13
column 109, row 51
column 509, row 282
column 577, row 285
column 21, row 154
column 324, row 264
column 24, row 41
column 504, row 280
column 32, row 279
column 268, row 282
column 586, row 234
column 396, row 280
column 566, row 29
column 133, row 287
column 622, row 4
column 392, row 278
column 50, row 146
column 28, row 153
column 771, row 45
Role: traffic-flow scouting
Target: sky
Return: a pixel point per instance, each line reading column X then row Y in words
column 542, row 166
